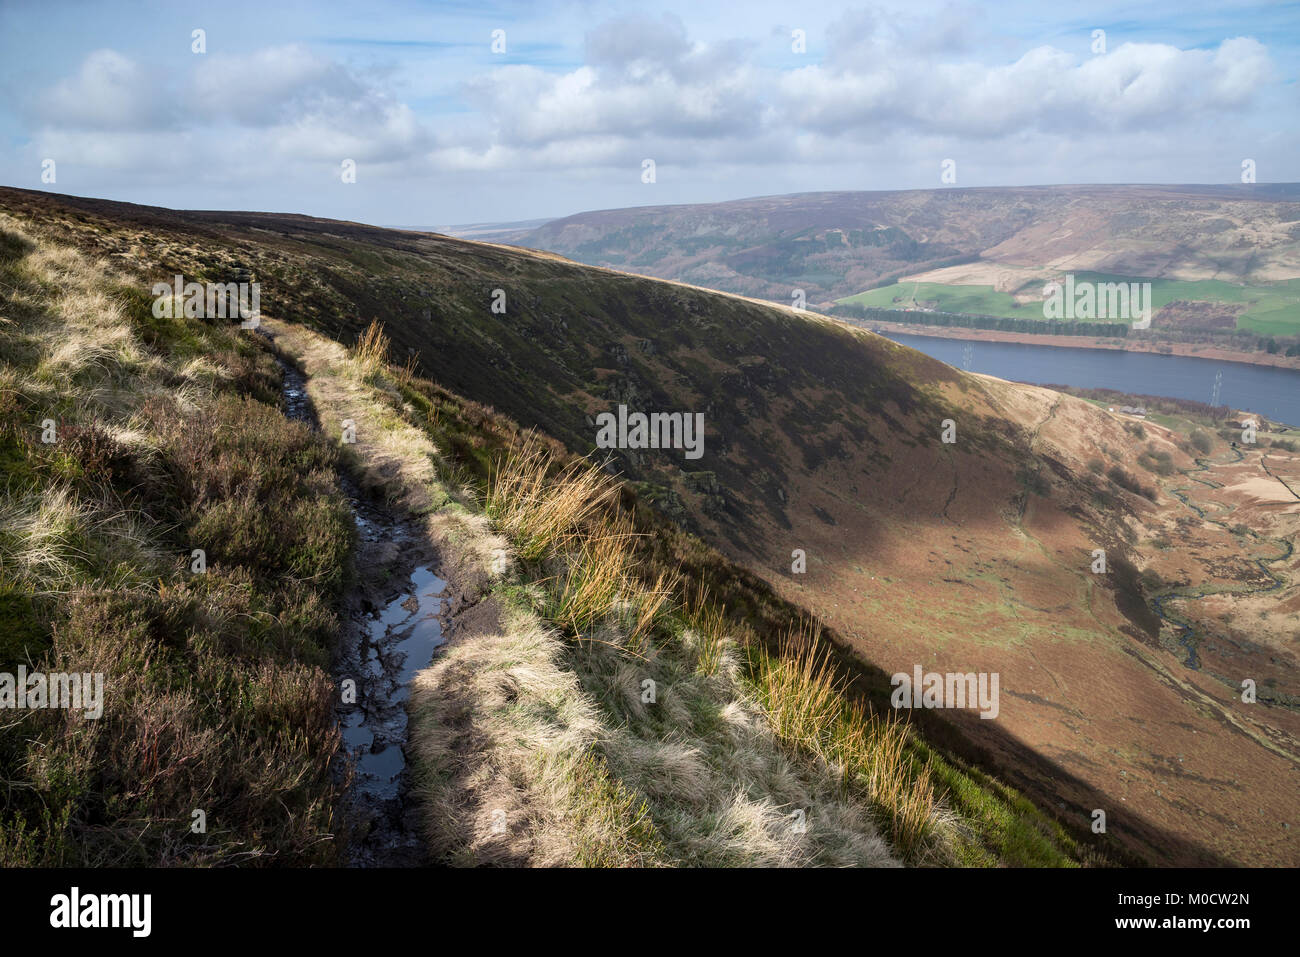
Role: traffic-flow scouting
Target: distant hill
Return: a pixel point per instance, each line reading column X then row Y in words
column 837, row 244
column 971, row 555
column 491, row 232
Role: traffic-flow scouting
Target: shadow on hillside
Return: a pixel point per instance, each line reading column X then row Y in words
column 1137, row 841
column 531, row 365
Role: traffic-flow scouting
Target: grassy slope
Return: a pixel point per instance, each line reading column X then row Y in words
column 583, row 338
column 539, row 716
column 169, row 438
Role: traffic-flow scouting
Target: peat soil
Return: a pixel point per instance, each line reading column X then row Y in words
column 395, row 615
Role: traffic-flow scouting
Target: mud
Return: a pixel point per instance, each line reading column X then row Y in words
column 395, row 616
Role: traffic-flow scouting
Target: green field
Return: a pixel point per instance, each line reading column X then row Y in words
column 973, row 300
column 1273, row 309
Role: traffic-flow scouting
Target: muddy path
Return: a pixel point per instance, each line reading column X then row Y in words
column 395, row 615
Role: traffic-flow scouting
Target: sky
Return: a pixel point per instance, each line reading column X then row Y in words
column 491, row 111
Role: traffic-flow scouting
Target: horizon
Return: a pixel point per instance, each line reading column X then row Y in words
column 1250, row 187
column 561, row 114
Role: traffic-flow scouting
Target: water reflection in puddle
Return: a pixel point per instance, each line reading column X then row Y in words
column 381, row 651
column 400, row 639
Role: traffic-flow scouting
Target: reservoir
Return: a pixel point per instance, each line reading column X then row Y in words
column 1265, row 390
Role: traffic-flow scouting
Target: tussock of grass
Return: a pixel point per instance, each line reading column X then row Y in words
column 41, row 535
column 651, row 605
column 371, row 352
column 540, row 504
column 707, row 630
column 594, row 579
column 805, row 701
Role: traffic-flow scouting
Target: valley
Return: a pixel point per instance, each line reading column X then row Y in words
column 1119, row 691
column 1223, row 261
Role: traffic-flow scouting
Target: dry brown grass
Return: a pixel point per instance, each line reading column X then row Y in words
column 371, row 351
column 595, row 577
column 801, row 692
column 540, row 506
column 917, row 823
column 406, row 374
column 650, row 604
column 805, row 700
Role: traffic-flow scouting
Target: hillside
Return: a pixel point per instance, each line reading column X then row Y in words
column 987, row 250
column 965, row 556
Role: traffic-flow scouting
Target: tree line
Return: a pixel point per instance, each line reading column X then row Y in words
column 1236, row 339
column 1058, row 327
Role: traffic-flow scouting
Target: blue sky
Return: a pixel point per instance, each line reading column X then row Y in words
column 444, row 130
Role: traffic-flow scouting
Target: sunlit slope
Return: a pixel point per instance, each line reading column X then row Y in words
column 971, row 555
column 838, row 244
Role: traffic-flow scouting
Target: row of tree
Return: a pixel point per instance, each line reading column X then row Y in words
column 1233, row 339
column 1057, row 327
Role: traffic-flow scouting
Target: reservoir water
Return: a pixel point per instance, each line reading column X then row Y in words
column 1267, row 391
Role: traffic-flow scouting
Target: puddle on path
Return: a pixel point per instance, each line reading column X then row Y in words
column 388, row 645
column 390, row 632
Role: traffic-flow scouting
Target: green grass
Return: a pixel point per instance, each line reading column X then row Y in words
column 972, row 299
column 1012, row 832
column 1273, row 309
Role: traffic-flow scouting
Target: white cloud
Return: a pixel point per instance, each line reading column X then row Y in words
column 1046, row 89
column 888, row 100
column 643, row 78
column 285, row 102
column 108, row 92
column 270, row 86
column 645, row 84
